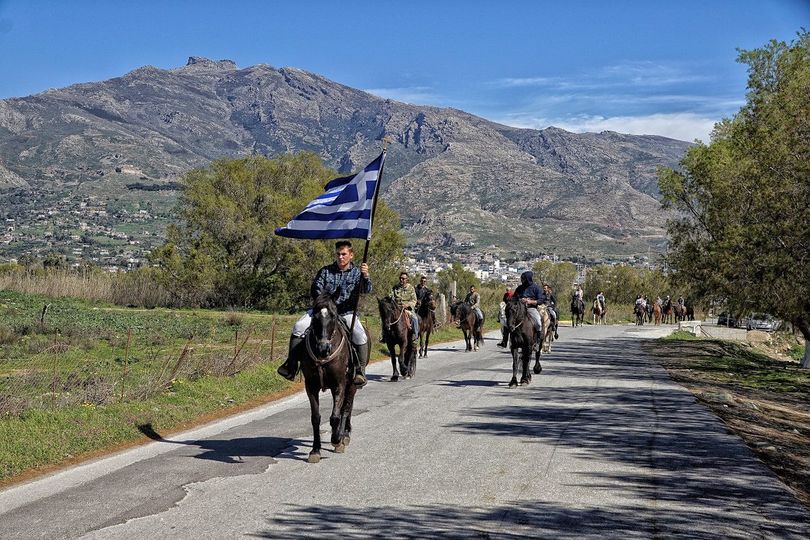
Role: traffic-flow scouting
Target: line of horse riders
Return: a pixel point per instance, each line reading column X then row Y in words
column 331, row 348
column 662, row 310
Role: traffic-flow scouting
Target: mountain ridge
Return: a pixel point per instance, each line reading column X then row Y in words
column 454, row 177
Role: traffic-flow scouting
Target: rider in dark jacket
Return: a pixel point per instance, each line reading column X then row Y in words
column 531, row 295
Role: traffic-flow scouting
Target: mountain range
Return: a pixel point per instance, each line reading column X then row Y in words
column 458, row 181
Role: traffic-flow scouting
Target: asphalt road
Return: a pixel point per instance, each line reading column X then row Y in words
column 601, row 444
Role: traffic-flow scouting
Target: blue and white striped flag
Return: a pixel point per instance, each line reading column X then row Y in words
column 343, row 211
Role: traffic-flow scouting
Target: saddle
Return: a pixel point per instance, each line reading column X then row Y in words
column 352, row 347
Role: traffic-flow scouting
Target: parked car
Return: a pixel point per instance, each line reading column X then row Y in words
column 763, row 321
column 727, row 319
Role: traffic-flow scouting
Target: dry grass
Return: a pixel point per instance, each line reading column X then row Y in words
column 124, row 289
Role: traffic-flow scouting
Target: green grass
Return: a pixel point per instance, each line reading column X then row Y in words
column 79, row 383
column 738, row 364
column 681, row 335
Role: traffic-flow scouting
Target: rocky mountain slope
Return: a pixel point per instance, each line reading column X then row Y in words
column 455, row 178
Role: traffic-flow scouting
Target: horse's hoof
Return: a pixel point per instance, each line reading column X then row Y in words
column 314, row 458
column 394, row 378
column 513, row 383
column 524, row 382
column 537, row 369
column 340, row 448
column 346, row 440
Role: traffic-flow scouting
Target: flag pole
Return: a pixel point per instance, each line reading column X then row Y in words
column 386, row 141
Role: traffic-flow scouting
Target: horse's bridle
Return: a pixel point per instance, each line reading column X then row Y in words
column 401, row 312
column 322, row 361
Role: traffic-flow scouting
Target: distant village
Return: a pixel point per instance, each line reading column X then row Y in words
column 116, row 236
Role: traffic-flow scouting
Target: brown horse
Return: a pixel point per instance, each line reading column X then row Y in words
column 469, row 324
column 679, row 311
column 668, row 312
column 657, row 313
column 522, row 336
column 397, row 332
column 326, row 366
column 426, row 310
column 598, row 312
column 690, row 311
column 577, row 310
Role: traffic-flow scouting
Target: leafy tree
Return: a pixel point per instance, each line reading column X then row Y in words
column 463, row 278
column 743, row 237
column 560, row 276
column 621, row 284
column 224, row 251
column 54, row 260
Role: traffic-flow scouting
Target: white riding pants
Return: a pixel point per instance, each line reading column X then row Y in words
column 358, row 335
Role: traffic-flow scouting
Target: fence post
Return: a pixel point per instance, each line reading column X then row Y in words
column 273, row 339
column 126, row 363
column 42, row 316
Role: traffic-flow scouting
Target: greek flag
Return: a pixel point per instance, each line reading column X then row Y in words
column 343, row 211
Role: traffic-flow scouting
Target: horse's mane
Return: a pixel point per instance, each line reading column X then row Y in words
column 387, row 305
column 462, row 309
column 424, row 306
column 517, row 308
column 324, row 300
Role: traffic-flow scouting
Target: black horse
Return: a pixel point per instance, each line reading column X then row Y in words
column 577, row 310
column 640, row 312
column 325, row 365
column 396, row 330
column 427, row 320
column 464, row 314
column 522, row 337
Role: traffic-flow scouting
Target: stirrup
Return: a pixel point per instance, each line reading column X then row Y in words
column 284, row 371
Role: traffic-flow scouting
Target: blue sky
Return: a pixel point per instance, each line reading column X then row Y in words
column 642, row 67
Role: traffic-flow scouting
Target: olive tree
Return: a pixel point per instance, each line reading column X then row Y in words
column 743, row 235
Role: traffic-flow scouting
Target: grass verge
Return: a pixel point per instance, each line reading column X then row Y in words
column 82, row 382
column 764, row 400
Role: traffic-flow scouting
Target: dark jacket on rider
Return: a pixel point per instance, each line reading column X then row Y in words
column 330, row 279
column 421, row 291
column 548, row 299
column 529, row 289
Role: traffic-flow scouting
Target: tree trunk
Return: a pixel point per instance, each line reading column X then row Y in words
column 804, row 328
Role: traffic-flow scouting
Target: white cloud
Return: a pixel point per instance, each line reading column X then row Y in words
column 415, row 95
column 682, row 126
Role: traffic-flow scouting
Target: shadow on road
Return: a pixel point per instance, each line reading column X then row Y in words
column 600, row 400
column 519, row 519
column 470, row 382
column 229, row 450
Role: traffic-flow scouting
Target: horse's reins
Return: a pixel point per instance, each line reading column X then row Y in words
column 389, row 325
column 322, row 361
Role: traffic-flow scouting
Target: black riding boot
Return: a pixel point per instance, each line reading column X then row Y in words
column 362, row 362
column 289, row 369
